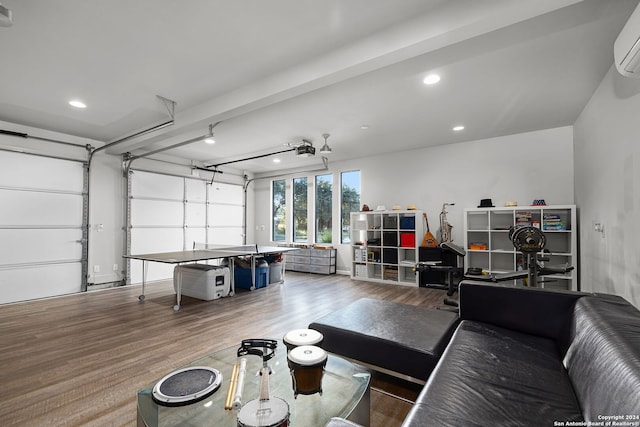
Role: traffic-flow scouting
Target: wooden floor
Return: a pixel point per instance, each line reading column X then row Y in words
column 78, row 360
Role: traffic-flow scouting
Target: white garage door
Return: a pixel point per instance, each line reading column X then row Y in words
column 41, row 213
column 170, row 213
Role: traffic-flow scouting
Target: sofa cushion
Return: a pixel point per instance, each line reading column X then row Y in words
column 603, row 358
column 492, row 376
column 401, row 338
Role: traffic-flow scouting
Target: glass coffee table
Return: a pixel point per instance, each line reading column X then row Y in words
column 345, row 394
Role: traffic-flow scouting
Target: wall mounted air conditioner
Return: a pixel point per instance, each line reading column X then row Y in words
column 626, row 49
column 6, row 18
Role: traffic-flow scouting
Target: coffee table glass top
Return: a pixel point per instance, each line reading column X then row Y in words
column 344, row 384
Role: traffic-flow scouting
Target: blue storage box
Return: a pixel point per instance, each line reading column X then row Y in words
column 242, row 277
column 407, row 222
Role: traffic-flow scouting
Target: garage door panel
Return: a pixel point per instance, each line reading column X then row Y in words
column 221, row 192
column 225, row 215
column 43, row 173
column 153, row 240
column 20, row 246
column 154, row 185
column 34, row 208
column 226, row 235
column 23, row 284
column 196, row 214
column 196, row 190
column 197, row 235
column 145, row 213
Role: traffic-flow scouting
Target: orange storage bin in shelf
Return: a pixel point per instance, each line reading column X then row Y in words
column 478, row 246
column 407, row 240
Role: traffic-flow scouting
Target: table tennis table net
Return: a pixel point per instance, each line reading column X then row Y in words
column 240, row 249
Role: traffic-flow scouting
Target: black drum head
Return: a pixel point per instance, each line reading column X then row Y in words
column 186, row 386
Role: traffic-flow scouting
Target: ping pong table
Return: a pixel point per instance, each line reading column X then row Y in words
column 205, row 252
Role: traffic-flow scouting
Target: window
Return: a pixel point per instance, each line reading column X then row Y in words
column 279, row 210
column 300, row 209
column 350, row 201
column 324, row 190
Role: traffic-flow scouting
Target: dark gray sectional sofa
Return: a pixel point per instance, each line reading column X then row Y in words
column 522, row 357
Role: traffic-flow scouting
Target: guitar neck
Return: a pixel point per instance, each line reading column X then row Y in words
column 264, row 383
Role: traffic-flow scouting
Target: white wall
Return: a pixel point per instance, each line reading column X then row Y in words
column 523, row 167
column 607, row 187
column 106, row 233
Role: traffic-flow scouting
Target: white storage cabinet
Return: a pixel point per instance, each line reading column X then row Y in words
column 490, row 227
column 384, row 246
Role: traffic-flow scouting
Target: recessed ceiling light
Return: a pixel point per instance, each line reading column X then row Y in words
column 276, row 160
column 78, row 104
column 431, row 79
column 458, row 128
column 364, row 127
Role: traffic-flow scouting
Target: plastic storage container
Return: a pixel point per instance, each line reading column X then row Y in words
column 407, row 240
column 275, row 272
column 202, row 281
column 242, row 277
column 408, row 223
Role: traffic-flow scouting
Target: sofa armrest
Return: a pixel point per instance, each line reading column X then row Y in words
column 536, row 311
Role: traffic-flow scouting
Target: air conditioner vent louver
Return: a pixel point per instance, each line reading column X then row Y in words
column 626, row 49
column 6, row 19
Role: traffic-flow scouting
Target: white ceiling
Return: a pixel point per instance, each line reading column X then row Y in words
column 275, row 72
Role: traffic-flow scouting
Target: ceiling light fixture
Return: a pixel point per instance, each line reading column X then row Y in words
column 209, row 139
column 431, row 79
column 325, row 148
column 276, row 160
column 77, row 103
column 458, row 128
column 364, row 127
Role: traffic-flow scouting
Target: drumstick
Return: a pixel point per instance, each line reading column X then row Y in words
column 237, row 401
column 232, row 387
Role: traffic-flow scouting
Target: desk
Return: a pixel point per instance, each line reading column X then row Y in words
column 209, row 252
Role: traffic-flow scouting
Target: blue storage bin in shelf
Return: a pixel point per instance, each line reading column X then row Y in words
column 407, row 223
column 242, row 277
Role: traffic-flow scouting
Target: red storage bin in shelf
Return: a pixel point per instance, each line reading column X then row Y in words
column 407, row 240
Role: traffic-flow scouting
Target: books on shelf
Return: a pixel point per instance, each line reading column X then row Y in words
column 553, row 222
column 523, row 218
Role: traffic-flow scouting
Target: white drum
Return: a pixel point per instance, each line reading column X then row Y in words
column 298, row 337
column 306, row 364
column 273, row 412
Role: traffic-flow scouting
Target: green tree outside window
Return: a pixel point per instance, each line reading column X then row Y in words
column 324, row 192
column 279, row 210
column 350, row 202
column 300, row 209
